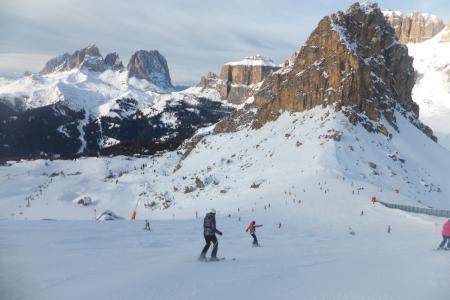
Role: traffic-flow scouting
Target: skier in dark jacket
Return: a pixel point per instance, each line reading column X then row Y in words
column 209, row 232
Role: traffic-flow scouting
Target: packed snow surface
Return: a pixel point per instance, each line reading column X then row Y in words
column 304, row 259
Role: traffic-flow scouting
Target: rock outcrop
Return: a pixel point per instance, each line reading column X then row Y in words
column 353, row 61
column 152, row 66
column 414, row 27
column 149, row 65
column 113, row 62
column 88, row 58
column 56, row 64
column 239, row 80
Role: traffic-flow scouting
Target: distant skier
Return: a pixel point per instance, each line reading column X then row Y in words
column 209, row 232
column 446, row 236
column 147, row 225
column 252, row 230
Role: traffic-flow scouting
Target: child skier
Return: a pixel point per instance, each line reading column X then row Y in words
column 446, row 236
column 252, row 230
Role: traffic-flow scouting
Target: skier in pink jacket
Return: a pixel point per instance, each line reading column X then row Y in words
column 445, row 235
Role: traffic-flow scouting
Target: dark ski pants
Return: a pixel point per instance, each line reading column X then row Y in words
column 446, row 240
column 210, row 239
column 255, row 240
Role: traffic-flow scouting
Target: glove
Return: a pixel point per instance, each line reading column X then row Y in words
column 219, row 233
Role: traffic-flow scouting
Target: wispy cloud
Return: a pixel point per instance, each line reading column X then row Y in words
column 195, row 36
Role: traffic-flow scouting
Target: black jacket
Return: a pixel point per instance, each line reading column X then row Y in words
column 209, row 225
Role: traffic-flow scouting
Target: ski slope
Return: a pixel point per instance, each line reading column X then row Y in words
column 316, row 184
column 302, row 260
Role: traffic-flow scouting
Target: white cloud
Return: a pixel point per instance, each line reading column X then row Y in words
column 195, row 36
column 21, row 62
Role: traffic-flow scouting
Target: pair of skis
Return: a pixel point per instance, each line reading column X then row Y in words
column 214, row 260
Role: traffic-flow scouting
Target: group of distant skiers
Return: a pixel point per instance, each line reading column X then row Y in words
column 209, row 233
column 210, row 230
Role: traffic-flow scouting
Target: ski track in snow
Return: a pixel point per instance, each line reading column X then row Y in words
column 80, row 128
column 118, row 259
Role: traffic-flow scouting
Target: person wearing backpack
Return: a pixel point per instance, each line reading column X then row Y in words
column 252, row 230
column 209, row 233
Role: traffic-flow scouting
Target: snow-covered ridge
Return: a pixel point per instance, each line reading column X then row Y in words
column 432, row 88
column 86, row 81
column 427, row 17
column 78, row 90
column 414, row 27
column 255, row 60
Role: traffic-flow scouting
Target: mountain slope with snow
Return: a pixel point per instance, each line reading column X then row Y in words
column 296, row 154
column 432, row 88
column 81, row 104
column 291, row 172
column 304, row 166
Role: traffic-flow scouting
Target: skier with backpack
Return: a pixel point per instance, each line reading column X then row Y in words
column 252, row 230
column 445, row 236
column 209, row 232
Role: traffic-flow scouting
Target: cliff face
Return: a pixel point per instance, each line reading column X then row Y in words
column 150, row 65
column 238, row 80
column 352, row 60
column 414, row 27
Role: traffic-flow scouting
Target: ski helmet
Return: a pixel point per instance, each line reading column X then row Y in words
column 213, row 211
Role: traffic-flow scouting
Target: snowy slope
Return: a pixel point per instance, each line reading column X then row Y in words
column 432, row 88
column 316, row 187
column 302, row 260
column 293, row 154
column 78, row 90
column 81, row 112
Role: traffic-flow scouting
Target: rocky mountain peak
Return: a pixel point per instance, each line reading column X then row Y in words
column 150, row 65
column 250, row 70
column 238, row 80
column 352, row 60
column 414, row 27
column 88, row 58
column 113, row 62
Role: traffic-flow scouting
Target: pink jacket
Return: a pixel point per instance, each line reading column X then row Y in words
column 446, row 229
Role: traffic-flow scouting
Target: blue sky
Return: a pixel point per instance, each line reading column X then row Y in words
column 195, row 36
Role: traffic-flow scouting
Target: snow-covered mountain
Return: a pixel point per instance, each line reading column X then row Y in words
column 414, row 27
column 369, row 141
column 82, row 104
column 432, row 88
column 239, row 80
column 304, row 155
